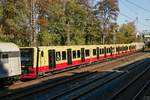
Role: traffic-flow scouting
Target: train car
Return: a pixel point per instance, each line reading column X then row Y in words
column 139, row 46
column 38, row 61
column 10, row 64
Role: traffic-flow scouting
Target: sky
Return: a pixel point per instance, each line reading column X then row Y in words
column 135, row 10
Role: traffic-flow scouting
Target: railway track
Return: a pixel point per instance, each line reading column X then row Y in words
column 139, row 95
column 49, row 85
column 81, row 91
column 92, row 84
column 128, row 85
column 123, row 88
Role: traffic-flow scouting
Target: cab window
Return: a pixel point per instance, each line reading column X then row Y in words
column 4, row 58
column 27, row 55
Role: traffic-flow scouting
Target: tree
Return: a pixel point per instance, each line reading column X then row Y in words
column 68, row 20
column 1, row 13
column 13, row 19
column 107, row 11
column 127, row 33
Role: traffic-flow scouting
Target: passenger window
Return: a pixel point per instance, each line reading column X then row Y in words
column 100, row 51
column 74, row 54
column 87, row 53
column 78, row 53
column 58, row 57
column 112, row 50
column 94, row 52
column 103, row 51
column 5, row 58
column 126, row 47
column 107, row 50
column 42, row 54
column 64, row 55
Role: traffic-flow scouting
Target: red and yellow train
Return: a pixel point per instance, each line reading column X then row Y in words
column 36, row 61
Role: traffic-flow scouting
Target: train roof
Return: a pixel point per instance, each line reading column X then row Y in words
column 8, row 47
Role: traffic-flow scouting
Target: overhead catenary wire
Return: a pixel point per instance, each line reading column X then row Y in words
column 132, row 19
column 131, row 10
column 138, row 6
column 127, row 7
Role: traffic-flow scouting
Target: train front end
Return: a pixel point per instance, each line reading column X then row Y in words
column 28, row 62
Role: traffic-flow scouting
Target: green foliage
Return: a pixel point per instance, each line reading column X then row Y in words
column 107, row 11
column 127, row 33
column 13, row 16
column 62, row 22
column 46, row 38
column 71, row 18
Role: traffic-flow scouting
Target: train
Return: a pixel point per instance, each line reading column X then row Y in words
column 30, row 62
column 10, row 61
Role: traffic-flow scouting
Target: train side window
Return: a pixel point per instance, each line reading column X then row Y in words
column 58, row 56
column 74, row 54
column 100, row 51
column 42, row 53
column 94, row 52
column 64, row 55
column 128, row 48
column 78, row 54
column 107, row 50
column 5, row 58
column 112, row 50
column 87, row 52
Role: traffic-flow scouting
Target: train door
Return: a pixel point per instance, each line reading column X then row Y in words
column 52, row 60
column 105, row 51
column 97, row 52
column 118, row 50
column 111, row 51
column 82, row 55
column 69, row 56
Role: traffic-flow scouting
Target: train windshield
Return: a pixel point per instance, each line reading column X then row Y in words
column 27, row 57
